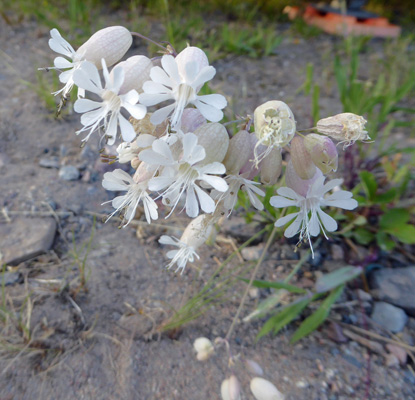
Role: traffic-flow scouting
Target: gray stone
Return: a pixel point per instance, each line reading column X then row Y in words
column 10, row 278
column 389, row 317
column 23, row 239
column 252, row 253
column 396, row 286
column 69, row 173
column 49, row 162
column 239, row 229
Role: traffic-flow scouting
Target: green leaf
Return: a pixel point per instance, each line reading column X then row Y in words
column 363, row 236
column 342, row 275
column 387, row 197
column 311, row 323
column 277, row 285
column 394, row 218
column 384, row 241
column 370, row 185
column 284, row 317
column 404, row 233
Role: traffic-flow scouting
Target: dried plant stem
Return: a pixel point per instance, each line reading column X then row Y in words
column 254, row 272
column 149, row 40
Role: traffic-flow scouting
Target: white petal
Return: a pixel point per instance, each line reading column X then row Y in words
column 158, row 75
column 164, row 239
column 91, row 117
column 255, row 201
column 111, row 130
column 213, row 168
column 138, row 111
column 159, row 183
column 205, row 75
column 331, row 185
column 145, row 140
column 160, row 115
column 152, row 99
column 59, row 45
column 191, row 71
column 151, row 87
column 281, row 202
column 209, row 112
column 288, row 192
column 131, row 97
column 216, row 182
column 295, row 227
column 214, row 100
column 206, row 202
column 85, row 105
column 346, row 204
column 314, row 225
column 118, row 75
column 62, row 63
column 192, row 206
column 87, row 77
column 329, row 224
column 127, row 130
column 284, row 220
column 170, row 66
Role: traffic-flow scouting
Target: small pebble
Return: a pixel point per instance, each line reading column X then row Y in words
column 69, row 173
column 49, row 162
column 302, row 384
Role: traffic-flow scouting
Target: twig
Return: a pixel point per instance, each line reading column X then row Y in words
column 254, row 272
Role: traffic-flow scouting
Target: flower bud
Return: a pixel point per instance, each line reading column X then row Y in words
column 274, row 123
column 323, row 152
column 239, row 152
column 250, row 170
column 215, row 140
column 301, row 159
column 109, row 43
column 253, row 367
column 271, row 167
column 299, row 185
column 231, row 389
column 127, row 151
column 136, row 72
column 192, row 119
column 143, row 173
column 265, row 390
column 346, row 127
column 204, row 348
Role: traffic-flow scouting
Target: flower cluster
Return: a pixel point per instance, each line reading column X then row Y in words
column 184, row 158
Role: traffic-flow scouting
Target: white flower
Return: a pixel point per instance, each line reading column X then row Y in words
column 59, row 45
column 107, row 112
column 230, row 197
column 182, row 256
column 181, row 173
column 127, row 151
column 310, row 219
column 118, row 180
column 169, row 84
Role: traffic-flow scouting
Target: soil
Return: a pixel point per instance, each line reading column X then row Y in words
column 102, row 341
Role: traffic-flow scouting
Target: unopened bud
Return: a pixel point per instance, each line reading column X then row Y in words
column 274, row 123
column 301, row 159
column 323, row 152
column 239, row 152
column 136, row 72
column 253, row 367
column 271, row 167
column 142, row 173
column 345, row 127
column 192, row 119
column 127, row 151
column 215, row 140
column 204, row 348
column 109, row 43
column 231, row 389
column 265, row 390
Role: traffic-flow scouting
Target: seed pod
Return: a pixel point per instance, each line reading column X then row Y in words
column 253, row 367
column 271, row 167
column 215, row 140
column 192, row 119
column 136, row 71
column 301, row 159
column 204, row 348
column 346, row 127
column 265, row 390
column 323, row 152
column 144, row 126
column 231, row 389
column 274, row 123
column 197, row 232
column 109, row 43
column 239, row 152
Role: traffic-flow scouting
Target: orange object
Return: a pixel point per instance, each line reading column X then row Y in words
column 340, row 24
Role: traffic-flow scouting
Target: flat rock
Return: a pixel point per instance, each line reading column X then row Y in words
column 69, row 173
column 389, row 317
column 239, row 229
column 25, row 238
column 396, row 286
column 49, row 162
